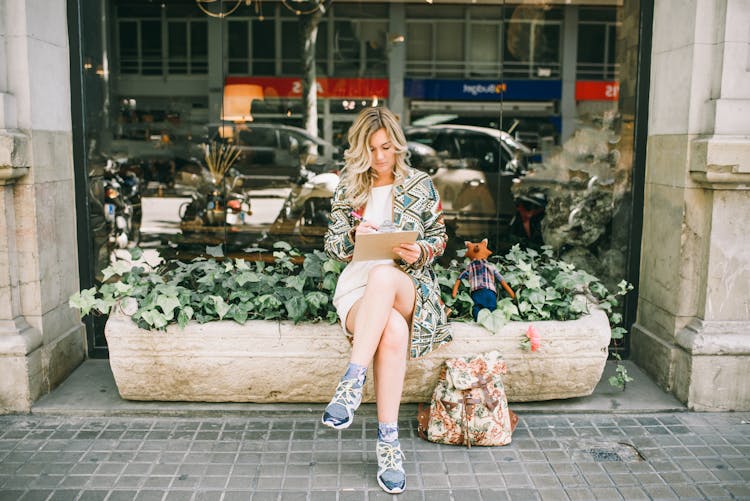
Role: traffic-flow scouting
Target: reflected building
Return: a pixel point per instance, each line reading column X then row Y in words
column 493, row 96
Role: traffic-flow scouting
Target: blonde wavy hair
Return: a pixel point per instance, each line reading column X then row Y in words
column 357, row 176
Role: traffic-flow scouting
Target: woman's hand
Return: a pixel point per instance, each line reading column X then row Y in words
column 408, row 252
column 366, row 227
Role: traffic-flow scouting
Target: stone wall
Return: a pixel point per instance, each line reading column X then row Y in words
column 694, row 306
column 41, row 338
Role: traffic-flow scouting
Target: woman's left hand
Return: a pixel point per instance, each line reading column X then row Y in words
column 408, row 252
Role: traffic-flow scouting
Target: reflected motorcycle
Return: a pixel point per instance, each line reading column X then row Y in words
column 122, row 205
column 215, row 205
column 308, row 205
column 114, row 205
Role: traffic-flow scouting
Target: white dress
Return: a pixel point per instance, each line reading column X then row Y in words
column 352, row 281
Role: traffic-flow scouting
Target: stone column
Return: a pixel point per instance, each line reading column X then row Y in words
column 41, row 338
column 694, row 299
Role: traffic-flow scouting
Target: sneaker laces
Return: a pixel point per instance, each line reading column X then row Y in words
column 346, row 394
column 390, row 457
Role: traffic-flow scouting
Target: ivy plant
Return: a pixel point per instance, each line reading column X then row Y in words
column 546, row 289
column 299, row 287
column 291, row 286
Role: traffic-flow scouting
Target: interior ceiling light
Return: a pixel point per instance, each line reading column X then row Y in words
column 219, row 12
column 224, row 8
column 300, row 7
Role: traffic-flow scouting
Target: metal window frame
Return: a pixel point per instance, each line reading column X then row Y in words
column 606, row 67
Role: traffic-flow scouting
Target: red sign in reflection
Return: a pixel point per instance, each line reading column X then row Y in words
column 366, row 88
column 597, row 91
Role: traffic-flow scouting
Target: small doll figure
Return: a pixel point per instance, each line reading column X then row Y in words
column 481, row 275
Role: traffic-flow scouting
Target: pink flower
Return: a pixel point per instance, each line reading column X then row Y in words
column 534, row 339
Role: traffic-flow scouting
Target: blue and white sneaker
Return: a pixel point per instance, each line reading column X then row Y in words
column 391, row 474
column 339, row 414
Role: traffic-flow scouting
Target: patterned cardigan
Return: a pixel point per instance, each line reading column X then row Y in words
column 416, row 206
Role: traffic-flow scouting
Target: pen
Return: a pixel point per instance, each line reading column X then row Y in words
column 357, row 216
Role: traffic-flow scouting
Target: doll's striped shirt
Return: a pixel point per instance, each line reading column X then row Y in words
column 481, row 275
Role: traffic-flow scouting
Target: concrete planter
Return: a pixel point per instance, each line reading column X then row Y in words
column 270, row 361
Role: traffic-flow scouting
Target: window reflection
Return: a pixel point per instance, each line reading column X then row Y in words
column 523, row 145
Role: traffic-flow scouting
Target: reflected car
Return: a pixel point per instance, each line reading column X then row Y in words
column 271, row 154
column 473, row 172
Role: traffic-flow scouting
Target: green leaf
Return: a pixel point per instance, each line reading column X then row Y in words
column 316, row 299
column 215, row 251
column 524, row 307
column 282, row 245
column 119, row 268
column 135, row 253
column 168, row 304
column 332, row 266
column 332, row 317
column 618, row 333
column 507, row 308
column 239, row 315
column 329, row 282
column 154, row 319
column 83, row 300
column 313, row 266
column 184, row 316
column 623, row 287
column 268, row 305
column 220, row 305
column 243, row 295
column 296, row 282
column 248, row 276
column 104, row 305
column 537, row 298
column 296, row 308
column 533, row 282
column 167, row 290
column 121, row 288
column 484, row 318
column 615, row 381
column 579, row 304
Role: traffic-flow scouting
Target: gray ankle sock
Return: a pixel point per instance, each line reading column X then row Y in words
column 387, row 432
column 355, row 371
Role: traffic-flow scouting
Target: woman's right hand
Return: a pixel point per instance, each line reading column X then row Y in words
column 366, row 227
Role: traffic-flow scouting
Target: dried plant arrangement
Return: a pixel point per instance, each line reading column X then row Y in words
column 219, row 159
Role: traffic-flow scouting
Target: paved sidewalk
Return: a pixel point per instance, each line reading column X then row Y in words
column 553, row 457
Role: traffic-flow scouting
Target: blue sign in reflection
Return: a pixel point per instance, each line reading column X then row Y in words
column 483, row 90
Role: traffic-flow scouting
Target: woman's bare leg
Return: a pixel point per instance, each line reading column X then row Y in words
column 388, row 289
column 390, row 367
column 379, row 322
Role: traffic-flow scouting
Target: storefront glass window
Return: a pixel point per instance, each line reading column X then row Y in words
column 263, row 48
column 515, row 111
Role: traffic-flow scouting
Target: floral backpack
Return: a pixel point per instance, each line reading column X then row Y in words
column 469, row 405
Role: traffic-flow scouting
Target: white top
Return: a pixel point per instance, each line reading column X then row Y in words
column 379, row 208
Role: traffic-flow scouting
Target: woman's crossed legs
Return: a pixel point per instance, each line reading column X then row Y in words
column 380, row 321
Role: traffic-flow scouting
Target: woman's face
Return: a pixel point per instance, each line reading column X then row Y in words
column 383, row 153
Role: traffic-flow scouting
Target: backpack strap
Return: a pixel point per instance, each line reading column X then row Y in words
column 423, row 420
column 489, row 401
